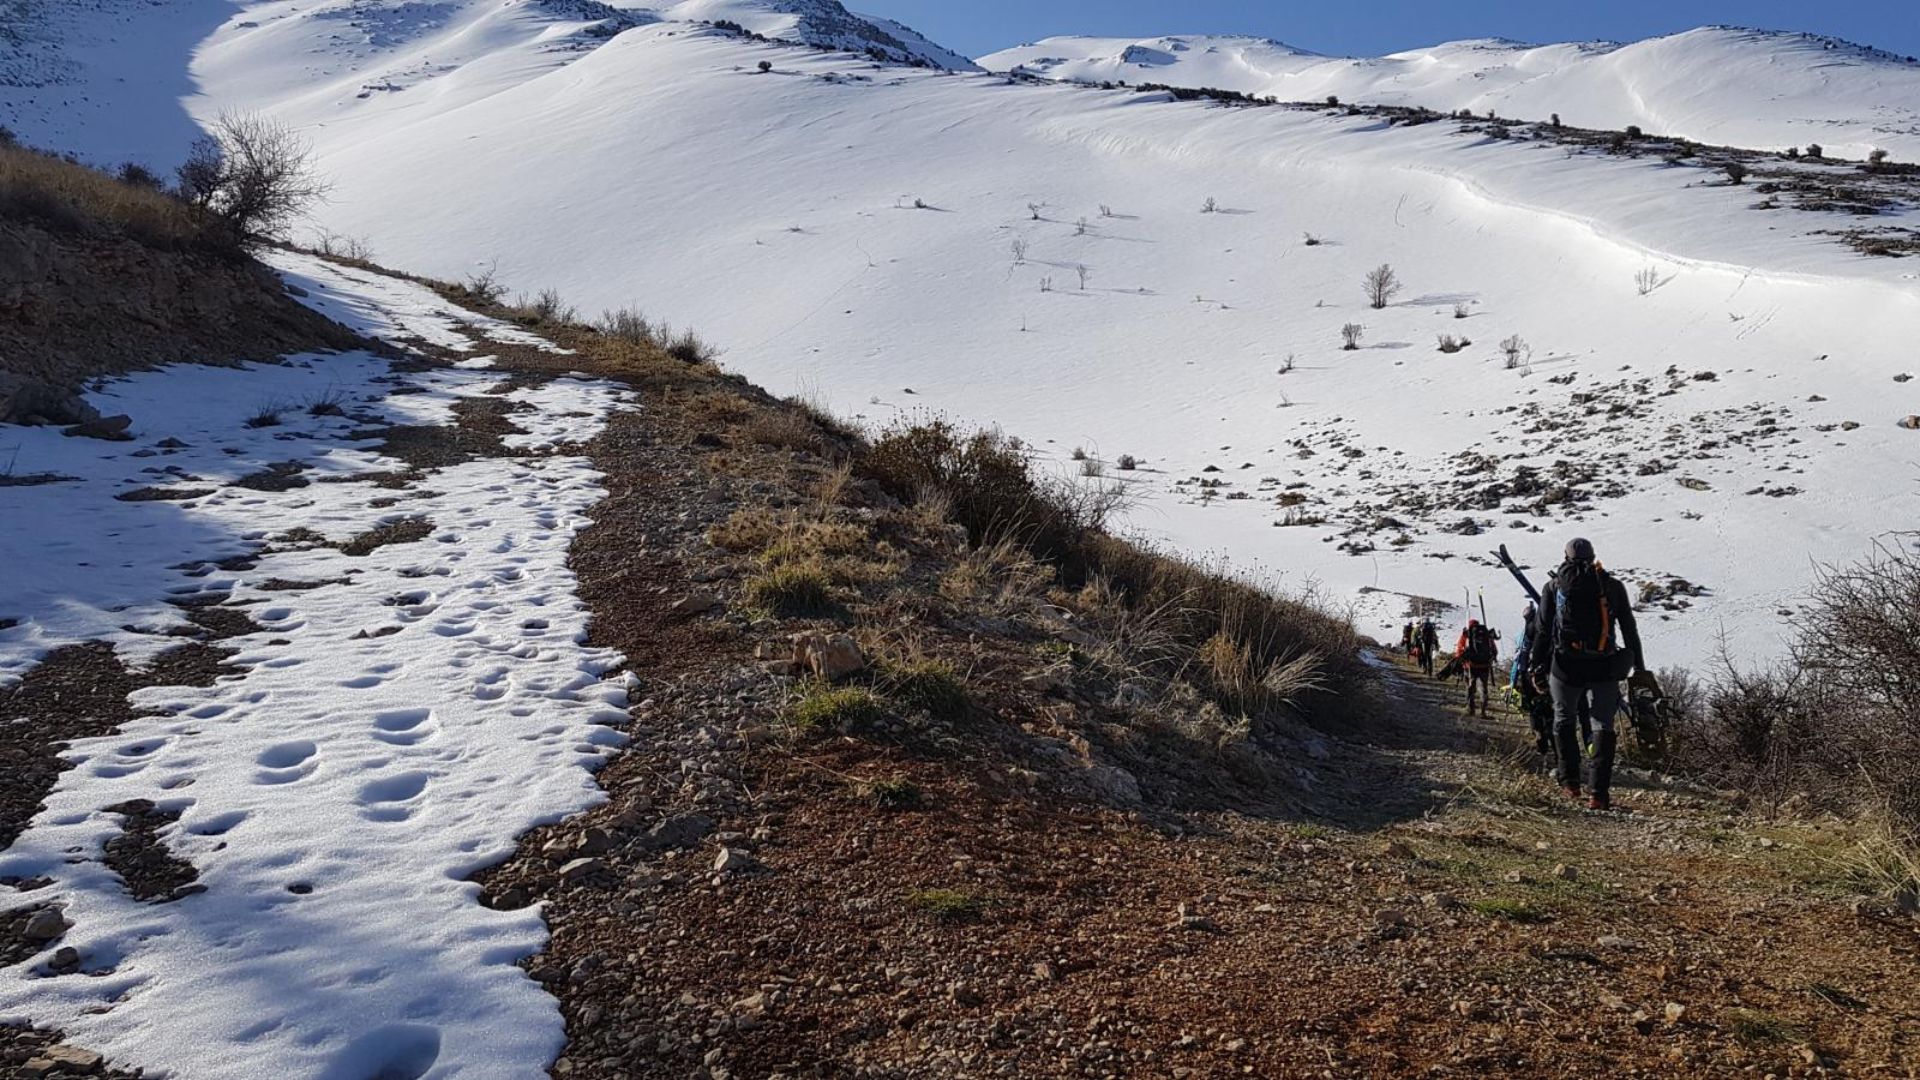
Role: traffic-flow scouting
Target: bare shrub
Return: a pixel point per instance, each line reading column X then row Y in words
column 1085, row 275
column 1310, row 240
column 482, row 288
column 1080, row 227
column 1450, row 344
column 253, row 174
column 1462, row 310
column 1351, row 334
column 1646, row 280
column 627, row 324
column 688, row 347
column 1127, row 463
column 139, row 175
column 1516, row 350
column 1211, row 206
column 1381, row 285
column 1860, row 644
column 345, row 248
column 1816, row 151
column 1736, row 172
column 546, row 307
column 1019, row 251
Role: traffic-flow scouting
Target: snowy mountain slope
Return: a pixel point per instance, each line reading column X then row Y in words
column 392, row 721
column 110, row 79
column 789, row 233
column 1718, row 85
column 848, row 230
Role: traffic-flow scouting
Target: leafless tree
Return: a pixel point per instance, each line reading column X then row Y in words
column 1084, row 274
column 1516, row 349
column 1381, row 284
column 254, row 174
column 1019, row 248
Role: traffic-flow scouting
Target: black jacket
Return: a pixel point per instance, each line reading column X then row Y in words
column 1576, row 667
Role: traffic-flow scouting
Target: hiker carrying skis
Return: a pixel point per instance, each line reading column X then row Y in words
column 1478, row 650
column 1429, row 644
column 1586, row 643
column 1533, row 702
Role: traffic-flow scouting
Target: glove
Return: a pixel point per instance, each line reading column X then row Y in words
column 1539, row 677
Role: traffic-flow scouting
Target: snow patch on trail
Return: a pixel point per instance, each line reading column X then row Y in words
column 384, row 735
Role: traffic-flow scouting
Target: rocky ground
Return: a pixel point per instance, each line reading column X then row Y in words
column 1002, row 848
column 998, row 889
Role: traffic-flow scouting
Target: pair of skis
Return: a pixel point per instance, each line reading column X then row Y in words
column 1519, row 575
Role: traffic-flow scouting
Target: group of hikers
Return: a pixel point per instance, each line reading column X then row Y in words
column 1578, row 646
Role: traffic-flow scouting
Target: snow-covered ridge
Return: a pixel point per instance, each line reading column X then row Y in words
column 823, row 23
column 114, row 81
column 1723, row 85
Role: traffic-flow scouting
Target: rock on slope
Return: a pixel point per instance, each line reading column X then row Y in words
column 1715, row 84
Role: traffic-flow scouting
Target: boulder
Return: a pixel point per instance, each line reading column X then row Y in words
column 1112, row 784
column 24, row 399
column 111, row 428
column 46, row 924
column 833, row 657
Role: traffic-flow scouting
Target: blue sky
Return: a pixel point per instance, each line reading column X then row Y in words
column 977, row 27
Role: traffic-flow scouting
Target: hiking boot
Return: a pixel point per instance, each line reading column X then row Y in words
column 1571, row 791
column 1542, row 744
column 1569, row 747
column 1598, row 802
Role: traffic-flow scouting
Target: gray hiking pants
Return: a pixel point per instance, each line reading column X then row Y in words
column 1566, row 703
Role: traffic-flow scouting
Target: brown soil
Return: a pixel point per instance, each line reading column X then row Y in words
column 73, row 306
column 927, row 897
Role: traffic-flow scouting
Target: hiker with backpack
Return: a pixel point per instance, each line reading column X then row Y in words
column 1477, row 651
column 1585, row 643
column 1429, row 644
column 1535, row 703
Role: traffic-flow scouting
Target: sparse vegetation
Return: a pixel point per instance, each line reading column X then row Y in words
column 1211, row 206
column 1381, row 285
column 1737, row 172
column 823, row 709
column 1350, row 335
column 1450, row 344
column 948, row 905
column 1646, row 280
column 1516, row 350
column 1126, row 463
column 893, row 794
column 790, row 591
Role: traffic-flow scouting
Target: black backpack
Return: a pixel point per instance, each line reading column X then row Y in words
column 1479, row 646
column 1582, row 617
